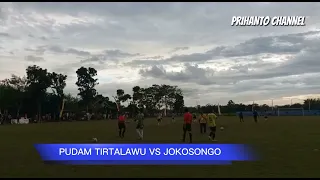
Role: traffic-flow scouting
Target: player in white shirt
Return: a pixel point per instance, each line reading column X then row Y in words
column 159, row 119
column 172, row 118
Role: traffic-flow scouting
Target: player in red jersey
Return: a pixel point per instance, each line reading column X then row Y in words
column 121, row 125
column 187, row 125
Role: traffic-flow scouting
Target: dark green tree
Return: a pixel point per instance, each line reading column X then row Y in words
column 39, row 81
column 58, row 83
column 86, row 85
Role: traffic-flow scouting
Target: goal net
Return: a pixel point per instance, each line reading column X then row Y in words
column 290, row 112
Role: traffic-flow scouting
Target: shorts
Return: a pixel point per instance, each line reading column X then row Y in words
column 266, row 117
column 213, row 129
column 187, row 127
column 121, row 125
column 139, row 126
column 159, row 119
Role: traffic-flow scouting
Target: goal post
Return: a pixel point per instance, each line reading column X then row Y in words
column 294, row 111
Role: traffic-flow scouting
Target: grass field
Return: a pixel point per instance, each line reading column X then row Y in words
column 288, row 148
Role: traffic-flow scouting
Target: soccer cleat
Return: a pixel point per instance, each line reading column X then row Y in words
column 210, row 138
column 214, row 140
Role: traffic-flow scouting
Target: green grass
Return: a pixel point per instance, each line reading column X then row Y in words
column 286, row 145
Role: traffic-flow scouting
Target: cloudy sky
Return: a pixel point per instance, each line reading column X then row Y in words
column 191, row 45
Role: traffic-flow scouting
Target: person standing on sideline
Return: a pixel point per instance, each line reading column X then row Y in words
column 173, row 116
column 187, row 125
column 265, row 115
column 241, row 116
column 255, row 116
column 194, row 115
column 159, row 119
column 139, row 128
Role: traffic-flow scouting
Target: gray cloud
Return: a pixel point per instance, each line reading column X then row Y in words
column 76, row 52
column 179, row 49
column 39, row 50
column 189, row 74
column 118, row 53
column 34, row 58
column 4, row 34
column 284, row 44
column 2, row 14
column 155, row 71
column 58, row 49
column 43, row 38
column 111, row 55
column 304, row 62
column 146, row 61
column 222, row 62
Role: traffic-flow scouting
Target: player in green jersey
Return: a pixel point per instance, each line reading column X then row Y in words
column 212, row 117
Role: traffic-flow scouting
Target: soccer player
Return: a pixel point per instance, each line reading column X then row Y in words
column 172, row 118
column 203, row 123
column 159, row 118
column 212, row 125
column 255, row 116
column 187, row 125
column 194, row 115
column 241, row 116
column 140, row 125
column 121, row 125
column 265, row 115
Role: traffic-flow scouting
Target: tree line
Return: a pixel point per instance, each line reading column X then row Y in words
column 41, row 93
column 231, row 107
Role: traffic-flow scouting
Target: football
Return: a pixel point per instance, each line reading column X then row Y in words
column 95, row 140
